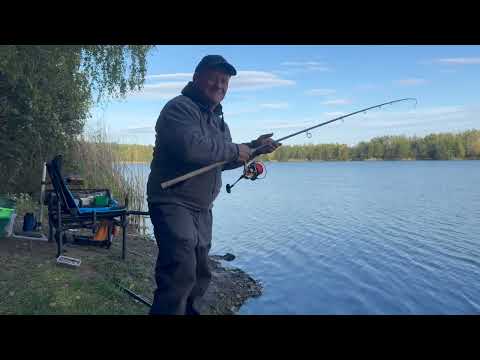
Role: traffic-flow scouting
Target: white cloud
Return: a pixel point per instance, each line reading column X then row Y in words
column 318, row 68
column 396, row 119
column 254, row 80
column 231, row 113
column 301, row 63
column 171, row 85
column 174, row 76
column 167, row 86
column 320, row 92
column 460, row 60
column 282, row 105
column 334, row 114
column 411, row 82
column 337, row 102
column 160, row 91
column 242, row 109
column 418, row 117
column 283, row 72
column 307, row 65
column 392, row 121
column 288, row 125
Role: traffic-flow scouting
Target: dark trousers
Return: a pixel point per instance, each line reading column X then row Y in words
column 182, row 272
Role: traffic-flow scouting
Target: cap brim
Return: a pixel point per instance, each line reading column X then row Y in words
column 227, row 67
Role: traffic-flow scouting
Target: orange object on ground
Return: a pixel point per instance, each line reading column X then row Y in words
column 102, row 232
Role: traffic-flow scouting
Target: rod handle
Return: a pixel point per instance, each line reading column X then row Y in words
column 191, row 174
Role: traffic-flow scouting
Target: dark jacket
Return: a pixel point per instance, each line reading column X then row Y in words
column 190, row 136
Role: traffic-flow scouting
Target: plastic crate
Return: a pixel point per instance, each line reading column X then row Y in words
column 6, row 213
column 5, row 221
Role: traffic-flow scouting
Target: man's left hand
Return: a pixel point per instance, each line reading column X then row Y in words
column 267, row 143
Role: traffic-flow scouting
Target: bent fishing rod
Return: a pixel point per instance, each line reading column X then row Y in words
column 253, row 169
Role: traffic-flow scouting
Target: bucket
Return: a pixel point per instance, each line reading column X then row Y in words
column 29, row 222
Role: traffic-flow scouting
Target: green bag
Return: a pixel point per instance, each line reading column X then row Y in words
column 101, row 201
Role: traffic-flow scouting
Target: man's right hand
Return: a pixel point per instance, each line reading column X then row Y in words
column 244, row 153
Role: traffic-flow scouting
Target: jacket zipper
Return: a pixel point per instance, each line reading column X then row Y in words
column 209, row 122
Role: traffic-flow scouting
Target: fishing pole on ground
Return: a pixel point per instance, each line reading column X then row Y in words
column 253, row 169
column 146, row 302
column 135, row 296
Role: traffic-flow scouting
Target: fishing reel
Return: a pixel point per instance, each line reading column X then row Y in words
column 251, row 171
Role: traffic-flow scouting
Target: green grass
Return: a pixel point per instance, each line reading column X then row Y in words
column 33, row 284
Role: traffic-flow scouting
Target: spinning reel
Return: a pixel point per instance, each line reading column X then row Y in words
column 251, row 171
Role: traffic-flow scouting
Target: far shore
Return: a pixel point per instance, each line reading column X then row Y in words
column 306, row 160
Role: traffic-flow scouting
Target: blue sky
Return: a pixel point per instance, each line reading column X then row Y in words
column 282, row 89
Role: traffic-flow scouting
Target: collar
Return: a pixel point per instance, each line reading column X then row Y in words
column 196, row 96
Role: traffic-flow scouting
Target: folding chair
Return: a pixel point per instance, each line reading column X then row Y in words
column 65, row 214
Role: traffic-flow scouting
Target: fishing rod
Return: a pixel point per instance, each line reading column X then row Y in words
column 226, row 257
column 254, row 168
column 135, row 296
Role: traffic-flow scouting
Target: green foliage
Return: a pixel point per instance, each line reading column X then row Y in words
column 46, row 92
column 113, row 70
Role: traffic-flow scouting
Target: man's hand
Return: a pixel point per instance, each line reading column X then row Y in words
column 244, row 153
column 266, row 143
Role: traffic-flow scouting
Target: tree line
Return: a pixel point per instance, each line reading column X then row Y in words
column 442, row 146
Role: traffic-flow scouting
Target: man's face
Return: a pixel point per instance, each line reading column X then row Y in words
column 213, row 84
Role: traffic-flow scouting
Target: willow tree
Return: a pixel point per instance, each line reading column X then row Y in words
column 46, row 93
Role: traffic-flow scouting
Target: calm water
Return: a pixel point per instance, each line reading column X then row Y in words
column 356, row 237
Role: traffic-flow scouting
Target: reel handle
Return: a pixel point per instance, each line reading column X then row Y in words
column 229, row 187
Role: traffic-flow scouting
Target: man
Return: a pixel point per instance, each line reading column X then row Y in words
column 191, row 133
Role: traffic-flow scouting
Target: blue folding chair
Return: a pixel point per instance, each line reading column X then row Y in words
column 65, row 214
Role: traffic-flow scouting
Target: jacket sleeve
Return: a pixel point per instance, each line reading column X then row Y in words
column 183, row 135
column 233, row 164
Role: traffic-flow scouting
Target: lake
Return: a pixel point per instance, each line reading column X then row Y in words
column 372, row 237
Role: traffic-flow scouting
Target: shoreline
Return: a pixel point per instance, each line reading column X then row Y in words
column 306, row 160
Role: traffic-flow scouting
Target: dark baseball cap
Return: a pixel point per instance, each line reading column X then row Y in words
column 217, row 62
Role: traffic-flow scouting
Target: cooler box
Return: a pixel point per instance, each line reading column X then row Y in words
column 5, row 219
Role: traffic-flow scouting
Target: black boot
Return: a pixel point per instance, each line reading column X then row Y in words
column 190, row 310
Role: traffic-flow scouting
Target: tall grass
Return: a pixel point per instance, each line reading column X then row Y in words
column 96, row 159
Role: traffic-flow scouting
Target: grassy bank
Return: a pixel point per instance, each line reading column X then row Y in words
column 32, row 283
